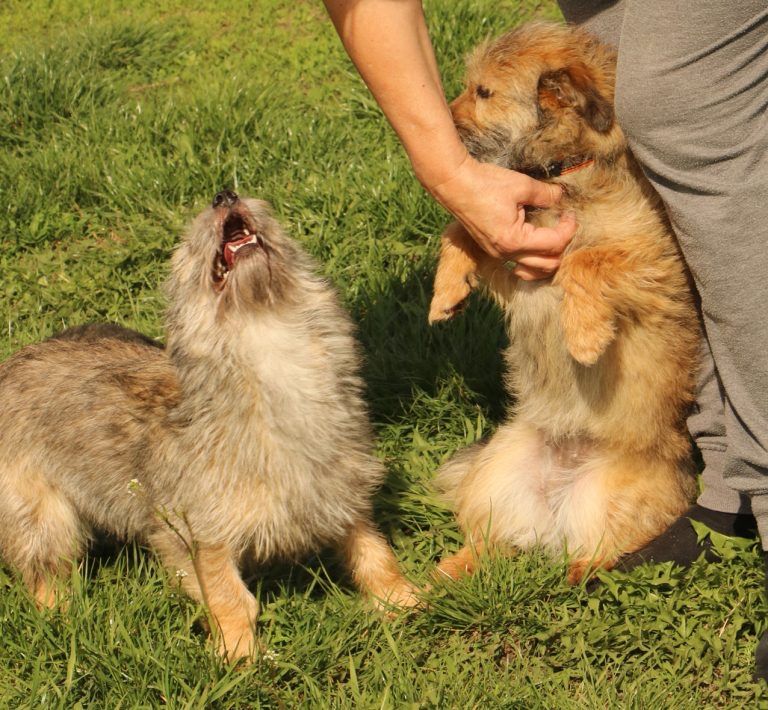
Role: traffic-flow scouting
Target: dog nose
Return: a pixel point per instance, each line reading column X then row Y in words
column 227, row 198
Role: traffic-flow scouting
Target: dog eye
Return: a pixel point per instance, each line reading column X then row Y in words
column 483, row 92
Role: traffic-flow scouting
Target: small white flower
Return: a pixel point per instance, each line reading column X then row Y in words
column 180, row 573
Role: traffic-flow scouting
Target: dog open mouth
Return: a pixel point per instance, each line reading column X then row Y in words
column 238, row 240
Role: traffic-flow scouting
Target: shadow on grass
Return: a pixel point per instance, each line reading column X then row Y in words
column 404, row 355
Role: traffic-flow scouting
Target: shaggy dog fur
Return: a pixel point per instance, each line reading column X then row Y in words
column 247, row 436
column 602, row 360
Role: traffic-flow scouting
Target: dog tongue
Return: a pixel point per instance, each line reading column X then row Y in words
column 230, row 248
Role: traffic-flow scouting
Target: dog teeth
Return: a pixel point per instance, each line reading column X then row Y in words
column 234, row 248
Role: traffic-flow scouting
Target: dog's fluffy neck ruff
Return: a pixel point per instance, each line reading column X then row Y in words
column 270, row 360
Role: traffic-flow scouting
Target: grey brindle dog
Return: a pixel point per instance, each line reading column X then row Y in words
column 247, row 435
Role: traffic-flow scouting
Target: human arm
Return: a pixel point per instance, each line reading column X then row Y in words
column 389, row 44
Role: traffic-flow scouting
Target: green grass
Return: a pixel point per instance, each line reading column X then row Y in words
column 118, row 121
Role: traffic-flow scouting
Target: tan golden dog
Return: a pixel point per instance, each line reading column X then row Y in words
column 602, row 358
column 247, row 437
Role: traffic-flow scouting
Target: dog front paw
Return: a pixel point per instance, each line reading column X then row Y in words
column 587, row 345
column 588, row 324
column 456, row 273
column 237, row 642
column 450, row 298
column 402, row 596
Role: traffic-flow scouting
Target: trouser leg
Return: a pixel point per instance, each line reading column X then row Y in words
column 602, row 18
column 692, row 91
column 707, row 427
column 707, row 422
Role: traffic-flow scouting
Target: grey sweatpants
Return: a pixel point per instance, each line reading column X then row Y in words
column 692, row 96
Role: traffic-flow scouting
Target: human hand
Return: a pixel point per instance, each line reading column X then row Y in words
column 489, row 201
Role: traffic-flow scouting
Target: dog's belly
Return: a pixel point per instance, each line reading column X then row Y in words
column 541, row 371
column 278, row 490
column 572, row 484
column 525, row 490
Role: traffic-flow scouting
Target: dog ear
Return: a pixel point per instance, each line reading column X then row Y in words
column 574, row 87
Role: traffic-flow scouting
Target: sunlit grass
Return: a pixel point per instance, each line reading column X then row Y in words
column 118, row 121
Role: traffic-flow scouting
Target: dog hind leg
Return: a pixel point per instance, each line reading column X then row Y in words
column 621, row 501
column 41, row 533
column 497, row 492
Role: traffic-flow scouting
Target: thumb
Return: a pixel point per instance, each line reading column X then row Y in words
column 541, row 194
column 550, row 241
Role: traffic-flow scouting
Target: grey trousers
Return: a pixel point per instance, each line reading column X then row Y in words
column 692, row 97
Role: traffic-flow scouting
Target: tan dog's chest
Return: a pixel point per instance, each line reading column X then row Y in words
column 550, row 388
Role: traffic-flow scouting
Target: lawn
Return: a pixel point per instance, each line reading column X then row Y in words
column 118, row 122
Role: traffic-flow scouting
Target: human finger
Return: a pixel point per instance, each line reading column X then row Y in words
column 488, row 246
column 528, row 274
column 540, row 194
column 550, row 240
column 546, row 264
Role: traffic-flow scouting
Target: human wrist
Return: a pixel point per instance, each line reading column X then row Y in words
column 453, row 181
column 436, row 169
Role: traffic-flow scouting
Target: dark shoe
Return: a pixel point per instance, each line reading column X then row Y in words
column 680, row 542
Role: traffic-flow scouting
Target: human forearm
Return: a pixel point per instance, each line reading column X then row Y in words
column 389, row 44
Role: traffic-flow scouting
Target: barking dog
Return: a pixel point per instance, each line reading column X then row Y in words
column 247, row 436
column 595, row 459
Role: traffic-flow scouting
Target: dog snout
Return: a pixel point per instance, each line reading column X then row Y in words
column 463, row 109
column 225, row 198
